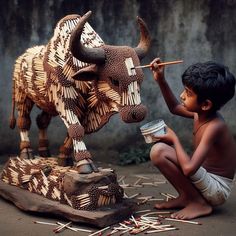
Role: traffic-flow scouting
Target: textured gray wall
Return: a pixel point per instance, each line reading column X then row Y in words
column 196, row 30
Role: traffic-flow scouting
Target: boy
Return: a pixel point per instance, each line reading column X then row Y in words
column 203, row 180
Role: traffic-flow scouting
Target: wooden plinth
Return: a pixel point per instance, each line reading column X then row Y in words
column 103, row 217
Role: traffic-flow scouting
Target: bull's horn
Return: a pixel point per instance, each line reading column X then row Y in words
column 78, row 50
column 145, row 39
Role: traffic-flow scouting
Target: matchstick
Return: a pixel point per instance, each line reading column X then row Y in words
column 157, row 213
column 60, row 228
column 99, row 231
column 155, row 199
column 68, row 227
column 121, row 178
column 160, row 64
column 125, row 226
column 125, row 231
column 184, row 221
column 141, row 176
column 138, row 230
column 113, row 232
column 168, row 195
column 161, row 230
column 44, row 223
column 76, row 229
column 135, row 222
column 142, row 211
column 134, row 195
column 145, row 197
column 137, row 181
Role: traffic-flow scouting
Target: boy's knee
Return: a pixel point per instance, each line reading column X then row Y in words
column 157, row 153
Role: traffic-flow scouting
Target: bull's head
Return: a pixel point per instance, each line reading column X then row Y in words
column 113, row 72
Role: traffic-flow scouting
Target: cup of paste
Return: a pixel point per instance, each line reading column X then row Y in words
column 153, row 128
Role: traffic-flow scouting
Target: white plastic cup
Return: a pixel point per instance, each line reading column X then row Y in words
column 153, row 128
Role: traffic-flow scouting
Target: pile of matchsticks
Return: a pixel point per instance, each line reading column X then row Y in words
column 139, row 183
column 142, row 221
column 149, row 223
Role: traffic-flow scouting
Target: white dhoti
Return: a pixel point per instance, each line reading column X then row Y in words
column 214, row 188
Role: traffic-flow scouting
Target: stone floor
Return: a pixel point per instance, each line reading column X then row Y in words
column 221, row 223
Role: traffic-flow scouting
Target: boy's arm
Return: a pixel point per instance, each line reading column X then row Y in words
column 173, row 104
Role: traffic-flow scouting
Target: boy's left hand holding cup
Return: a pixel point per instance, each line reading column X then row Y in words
column 169, row 136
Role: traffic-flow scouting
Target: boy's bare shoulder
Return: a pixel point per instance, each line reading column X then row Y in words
column 220, row 128
column 218, row 132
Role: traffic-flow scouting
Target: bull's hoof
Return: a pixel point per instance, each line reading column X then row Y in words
column 93, row 166
column 26, row 153
column 86, row 166
column 44, row 152
column 84, row 169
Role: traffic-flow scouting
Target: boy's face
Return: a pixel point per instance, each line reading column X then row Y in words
column 189, row 100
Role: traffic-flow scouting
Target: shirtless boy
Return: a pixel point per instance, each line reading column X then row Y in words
column 204, row 179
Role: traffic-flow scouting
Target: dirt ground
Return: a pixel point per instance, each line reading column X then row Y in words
column 221, row 223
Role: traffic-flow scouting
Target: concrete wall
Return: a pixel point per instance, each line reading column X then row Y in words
column 196, row 30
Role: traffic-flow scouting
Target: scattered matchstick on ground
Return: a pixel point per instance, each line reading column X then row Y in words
column 44, row 223
column 57, row 230
column 183, row 221
column 61, row 227
column 100, row 231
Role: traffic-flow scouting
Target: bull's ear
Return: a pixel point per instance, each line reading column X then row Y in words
column 86, row 74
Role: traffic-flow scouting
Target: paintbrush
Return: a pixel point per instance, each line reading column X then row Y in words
column 159, row 64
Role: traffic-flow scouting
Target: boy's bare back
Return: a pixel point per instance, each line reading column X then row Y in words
column 221, row 157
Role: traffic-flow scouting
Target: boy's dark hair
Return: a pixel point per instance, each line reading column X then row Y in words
column 210, row 81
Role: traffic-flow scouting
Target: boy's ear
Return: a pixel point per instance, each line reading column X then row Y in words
column 207, row 105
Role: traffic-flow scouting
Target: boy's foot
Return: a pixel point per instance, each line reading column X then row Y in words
column 178, row 202
column 193, row 210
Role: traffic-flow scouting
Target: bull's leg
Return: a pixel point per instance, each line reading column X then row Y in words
column 67, row 110
column 43, row 120
column 24, row 123
column 66, row 150
column 82, row 156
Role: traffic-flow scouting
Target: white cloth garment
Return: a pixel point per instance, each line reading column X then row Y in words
column 214, row 188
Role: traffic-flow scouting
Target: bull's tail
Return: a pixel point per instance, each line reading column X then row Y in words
column 12, row 122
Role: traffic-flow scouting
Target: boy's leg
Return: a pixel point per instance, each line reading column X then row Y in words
column 164, row 158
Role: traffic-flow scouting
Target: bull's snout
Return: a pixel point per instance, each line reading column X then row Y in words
column 131, row 114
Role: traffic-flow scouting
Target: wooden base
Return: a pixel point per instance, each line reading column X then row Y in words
column 103, row 217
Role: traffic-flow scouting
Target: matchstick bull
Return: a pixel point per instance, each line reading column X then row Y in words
column 81, row 79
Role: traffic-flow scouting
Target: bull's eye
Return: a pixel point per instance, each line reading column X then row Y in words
column 114, row 82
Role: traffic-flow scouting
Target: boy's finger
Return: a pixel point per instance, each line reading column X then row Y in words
column 155, row 65
column 158, row 136
column 156, row 60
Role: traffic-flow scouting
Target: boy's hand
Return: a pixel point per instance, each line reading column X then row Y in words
column 158, row 71
column 169, row 137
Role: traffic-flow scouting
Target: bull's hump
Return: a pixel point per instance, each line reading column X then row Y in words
column 69, row 17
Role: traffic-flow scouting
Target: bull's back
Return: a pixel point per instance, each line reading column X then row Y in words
column 30, row 78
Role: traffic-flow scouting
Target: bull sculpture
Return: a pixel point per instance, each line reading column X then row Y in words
column 81, row 79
